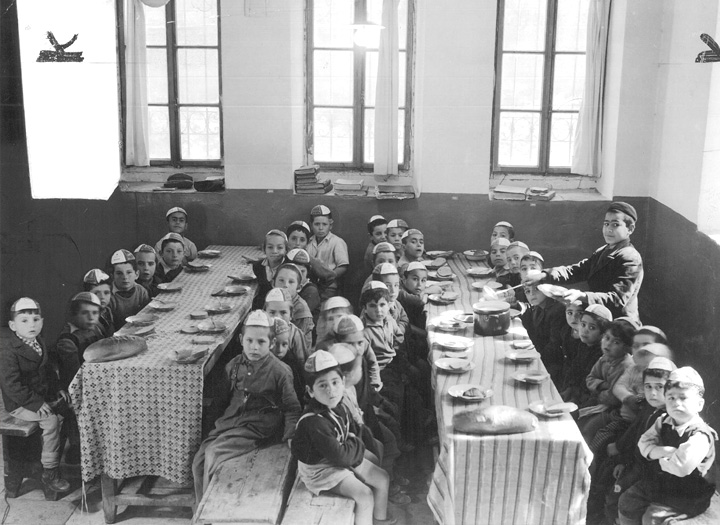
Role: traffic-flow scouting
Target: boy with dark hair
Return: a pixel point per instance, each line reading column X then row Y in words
column 504, row 230
column 128, row 297
column 171, row 259
column 28, row 379
column 376, row 231
column 681, row 450
column 146, row 259
column 98, row 282
column 614, row 272
column 327, row 247
column 177, row 219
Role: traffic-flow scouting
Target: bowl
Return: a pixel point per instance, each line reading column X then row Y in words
column 475, row 255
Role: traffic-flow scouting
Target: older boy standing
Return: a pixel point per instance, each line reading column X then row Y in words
column 177, row 219
column 614, row 272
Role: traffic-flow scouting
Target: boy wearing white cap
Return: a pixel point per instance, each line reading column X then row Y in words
column 498, row 257
column 376, row 231
column 28, row 379
column 262, row 403
column 327, row 247
column 98, row 282
column 681, row 450
column 171, row 259
column 177, row 219
column 502, row 230
column 128, row 297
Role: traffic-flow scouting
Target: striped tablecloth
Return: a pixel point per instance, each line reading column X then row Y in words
column 532, row 478
column 142, row 415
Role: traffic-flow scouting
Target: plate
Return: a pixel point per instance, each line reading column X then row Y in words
column 455, row 343
column 454, row 365
column 200, row 314
column 450, row 326
column 190, row 329
column 475, row 255
column 460, row 354
column 552, row 290
column 188, row 355
column 464, row 317
column 197, row 267
column 522, row 344
column 458, row 391
column 534, row 377
column 209, row 254
column 162, row 306
column 441, row 284
column 242, row 277
column 540, row 409
column 236, row 289
column 435, row 275
column 514, row 313
column 211, row 327
column 140, row 331
column 522, row 356
column 218, row 308
column 435, row 263
column 142, row 319
column 203, row 340
column 438, row 299
column 169, row 287
column 480, row 272
column 439, row 253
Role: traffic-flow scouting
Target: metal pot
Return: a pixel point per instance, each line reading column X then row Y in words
column 491, row 317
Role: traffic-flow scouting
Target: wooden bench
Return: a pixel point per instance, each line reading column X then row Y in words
column 20, row 454
column 710, row 517
column 304, row 508
column 251, row 489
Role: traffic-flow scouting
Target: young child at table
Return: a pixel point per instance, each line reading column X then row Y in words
column 177, row 219
column 290, row 356
column 498, row 256
column 616, row 346
column 570, row 343
column 624, row 464
column 614, row 272
column 376, row 231
column 278, row 305
column 394, row 233
column 327, row 247
column 413, row 246
column 298, row 234
column 289, row 276
column 262, row 403
column 98, row 282
column 331, row 456
column 387, row 274
column 681, row 450
column 146, row 258
column 308, row 290
column 383, row 252
column 413, row 279
column 516, row 250
column 171, row 259
column 28, row 379
column 128, row 297
column 595, row 319
column 274, row 247
column 544, row 321
column 349, row 329
column 504, row 230
column 330, row 311
column 531, row 264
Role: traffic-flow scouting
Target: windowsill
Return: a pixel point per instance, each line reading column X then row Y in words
column 161, row 173
column 566, row 187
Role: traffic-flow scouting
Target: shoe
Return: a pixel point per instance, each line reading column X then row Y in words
column 53, row 482
column 401, row 481
column 399, row 498
column 387, row 521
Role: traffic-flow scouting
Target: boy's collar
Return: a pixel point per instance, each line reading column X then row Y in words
column 166, row 267
column 680, row 429
column 115, row 289
column 371, row 322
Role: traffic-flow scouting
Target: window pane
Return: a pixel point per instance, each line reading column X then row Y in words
column 571, row 25
column 196, row 22
column 402, row 24
column 371, row 65
column 524, row 25
column 333, row 78
column 197, row 72
column 199, row 133
column 159, row 130
column 562, row 139
column 333, row 136
column 157, row 84
column 369, row 136
column 522, row 81
column 519, row 139
column 569, row 81
column 155, row 32
column 331, row 23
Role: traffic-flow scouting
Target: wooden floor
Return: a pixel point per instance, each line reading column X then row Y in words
column 31, row 508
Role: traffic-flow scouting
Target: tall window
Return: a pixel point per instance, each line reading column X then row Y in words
column 183, row 83
column 540, row 75
column 341, row 83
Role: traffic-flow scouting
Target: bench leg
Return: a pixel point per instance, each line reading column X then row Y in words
column 20, row 461
column 109, row 490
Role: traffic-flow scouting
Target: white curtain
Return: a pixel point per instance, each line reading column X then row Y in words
column 587, row 153
column 386, row 94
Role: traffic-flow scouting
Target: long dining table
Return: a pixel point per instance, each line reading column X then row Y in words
column 142, row 416
column 537, row 477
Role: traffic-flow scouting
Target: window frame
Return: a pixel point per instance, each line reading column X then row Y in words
column 546, row 112
column 173, row 103
column 358, row 164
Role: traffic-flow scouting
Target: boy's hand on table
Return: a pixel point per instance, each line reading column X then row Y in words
column 45, row 410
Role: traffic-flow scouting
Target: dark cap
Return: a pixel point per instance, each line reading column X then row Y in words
column 624, row 207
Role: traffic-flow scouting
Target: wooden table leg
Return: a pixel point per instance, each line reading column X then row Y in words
column 109, row 490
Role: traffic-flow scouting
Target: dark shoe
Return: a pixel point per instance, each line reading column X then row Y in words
column 53, row 482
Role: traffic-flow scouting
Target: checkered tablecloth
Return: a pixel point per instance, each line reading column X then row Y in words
column 534, row 478
column 142, row 415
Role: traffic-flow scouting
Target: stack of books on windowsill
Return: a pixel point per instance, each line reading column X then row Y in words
column 504, row 192
column 386, row 191
column 350, row 188
column 307, row 181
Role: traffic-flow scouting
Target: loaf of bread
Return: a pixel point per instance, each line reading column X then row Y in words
column 496, row 419
column 114, row 348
